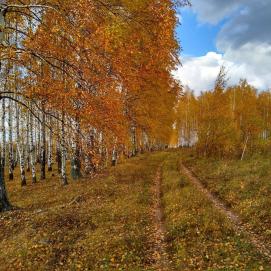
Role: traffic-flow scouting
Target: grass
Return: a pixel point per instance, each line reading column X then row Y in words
column 199, row 236
column 107, row 223
column 245, row 186
column 101, row 224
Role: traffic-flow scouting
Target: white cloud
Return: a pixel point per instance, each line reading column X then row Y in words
column 250, row 61
column 244, row 40
column 199, row 73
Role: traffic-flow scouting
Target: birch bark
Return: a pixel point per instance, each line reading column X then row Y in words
column 32, row 149
column 10, row 134
column 43, row 147
column 20, row 147
column 50, row 146
column 63, row 151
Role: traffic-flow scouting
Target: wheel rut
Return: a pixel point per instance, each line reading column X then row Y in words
column 160, row 255
column 256, row 239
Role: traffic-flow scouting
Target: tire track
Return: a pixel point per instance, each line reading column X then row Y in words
column 256, row 239
column 160, row 255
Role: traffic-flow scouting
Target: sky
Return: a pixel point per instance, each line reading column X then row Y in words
column 233, row 33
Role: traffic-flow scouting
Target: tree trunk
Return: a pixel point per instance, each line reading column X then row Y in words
column 244, row 149
column 114, row 157
column 89, row 165
column 27, row 144
column 50, row 147
column 134, row 145
column 63, row 151
column 3, row 150
column 4, row 202
column 22, row 168
column 11, row 155
column 20, row 147
column 43, row 147
column 37, row 141
column 58, row 148
column 58, row 156
column 32, row 150
column 76, row 163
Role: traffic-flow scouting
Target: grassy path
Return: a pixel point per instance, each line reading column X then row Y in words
column 244, row 186
column 161, row 256
column 256, row 239
column 143, row 215
column 199, row 236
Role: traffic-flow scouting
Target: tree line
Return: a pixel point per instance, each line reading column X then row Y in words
column 84, row 81
column 226, row 121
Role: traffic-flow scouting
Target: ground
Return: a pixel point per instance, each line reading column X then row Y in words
column 145, row 214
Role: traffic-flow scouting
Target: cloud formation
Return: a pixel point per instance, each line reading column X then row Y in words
column 213, row 11
column 250, row 25
column 199, row 73
column 244, row 40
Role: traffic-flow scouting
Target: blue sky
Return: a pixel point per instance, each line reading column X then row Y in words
column 196, row 38
column 233, row 33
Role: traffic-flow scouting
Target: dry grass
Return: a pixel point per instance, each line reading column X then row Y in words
column 101, row 224
column 107, row 223
column 200, row 236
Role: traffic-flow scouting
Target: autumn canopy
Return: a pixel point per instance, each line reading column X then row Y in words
column 87, row 81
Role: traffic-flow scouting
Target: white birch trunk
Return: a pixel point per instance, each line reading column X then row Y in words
column 31, row 149
column 3, row 130
column 76, row 163
column 27, row 144
column 89, row 152
column 63, row 152
column 114, row 157
column 37, row 140
column 43, row 147
column 20, row 147
column 10, row 133
column 50, row 147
